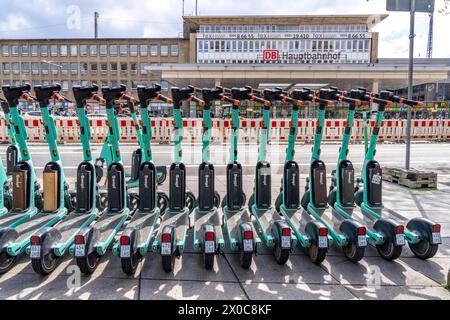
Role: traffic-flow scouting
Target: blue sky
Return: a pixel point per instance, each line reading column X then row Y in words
column 162, row 18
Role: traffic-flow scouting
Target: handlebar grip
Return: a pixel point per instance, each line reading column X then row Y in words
column 380, row 101
column 128, row 98
column 96, row 97
column 410, row 102
column 323, row 101
column 230, row 100
column 265, row 102
column 199, row 101
column 27, row 96
column 356, row 102
column 59, row 97
column 163, row 98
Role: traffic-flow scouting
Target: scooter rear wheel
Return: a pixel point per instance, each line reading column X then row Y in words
column 6, row 262
column 246, row 259
column 129, row 265
column 163, row 201
column 167, row 263
column 316, row 254
column 209, row 260
column 354, row 253
column 281, row 255
column 424, row 249
column 278, row 203
column 45, row 265
column 190, row 201
column 88, row 264
column 389, row 251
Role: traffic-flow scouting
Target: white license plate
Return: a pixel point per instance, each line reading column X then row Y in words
column 210, row 247
column 80, row 250
column 125, row 251
column 35, row 252
column 323, row 242
column 166, row 248
column 248, row 245
column 362, row 241
column 436, row 238
column 285, row 242
column 400, row 239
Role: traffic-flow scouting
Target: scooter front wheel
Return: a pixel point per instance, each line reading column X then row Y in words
column 45, row 265
column 424, row 249
column 389, row 251
column 354, row 253
column 316, row 254
column 167, row 263
column 88, row 264
column 246, row 259
column 6, row 262
column 209, row 260
column 281, row 255
column 129, row 265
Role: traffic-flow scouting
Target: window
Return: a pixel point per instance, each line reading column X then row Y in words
column 113, row 83
column 113, row 50
column 63, row 51
column 5, row 51
column 143, row 68
column 6, row 82
column 83, row 67
column 15, row 51
column 164, row 50
column 74, row 68
column 34, row 50
column 154, row 50
column 124, row 67
column 93, row 50
column 174, row 50
column 133, row 50
column 143, row 49
column 134, row 84
column 54, row 68
column 64, row 68
column 25, row 51
column 35, row 68
column 44, row 51
column 73, row 50
column 114, row 66
column 94, row 68
column 123, row 50
column 103, row 67
column 44, row 68
column 84, row 83
column 25, row 67
column 83, row 50
column 64, row 85
column 133, row 67
column 5, row 67
column 15, row 68
column 103, row 50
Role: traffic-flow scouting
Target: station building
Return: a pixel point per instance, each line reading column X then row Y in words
column 261, row 51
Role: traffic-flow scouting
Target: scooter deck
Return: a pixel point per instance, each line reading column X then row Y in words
column 297, row 219
column 35, row 223
column 265, row 218
column 233, row 219
column 13, row 218
column 145, row 222
column 202, row 218
column 72, row 223
column 180, row 221
column 107, row 224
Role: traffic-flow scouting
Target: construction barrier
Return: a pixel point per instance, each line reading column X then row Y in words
column 162, row 130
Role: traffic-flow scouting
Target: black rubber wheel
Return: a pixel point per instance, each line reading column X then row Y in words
column 389, row 251
column 246, row 259
column 190, row 201
column 331, row 199
column 167, row 263
column 129, row 265
column 354, row 253
column 163, row 201
column 278, row 202
column 216, row 199
column 359, row 197
column 305, row 200
column 39, row 200
column 6, row 262
column 209, row 260
column 316, row 254
column 161, row 177
column 251, row 201
column 102, row 201
column 133, row 201
column 45, row 265
column 281, row 255
column 424, row 249
column 224, row 200
column 88, row 264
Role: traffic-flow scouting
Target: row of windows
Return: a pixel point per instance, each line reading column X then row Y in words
column 91, row 50
column 132, row 84
column 253, row 61
column 282, row 28
column 82, row 68
column 362, row 45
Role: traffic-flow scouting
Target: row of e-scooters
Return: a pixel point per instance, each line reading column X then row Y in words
column 54, row 222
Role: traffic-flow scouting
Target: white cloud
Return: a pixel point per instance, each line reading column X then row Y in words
column 13, row 22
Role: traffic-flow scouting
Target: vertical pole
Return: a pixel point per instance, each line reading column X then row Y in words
column 96, row 16
column 196, row 7
column 182, row 8
column 410, row 83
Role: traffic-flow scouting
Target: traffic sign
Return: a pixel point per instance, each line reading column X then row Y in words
column 405, row 5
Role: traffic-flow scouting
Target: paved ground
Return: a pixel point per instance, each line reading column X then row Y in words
column 406, row 278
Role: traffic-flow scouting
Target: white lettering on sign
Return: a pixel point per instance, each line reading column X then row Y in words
column 287, row 35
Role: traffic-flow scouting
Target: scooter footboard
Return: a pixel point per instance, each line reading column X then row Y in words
column 391, row 230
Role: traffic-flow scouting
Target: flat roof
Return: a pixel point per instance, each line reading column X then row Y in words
column 194, row 21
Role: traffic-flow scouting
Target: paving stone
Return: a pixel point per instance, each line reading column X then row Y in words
column 399, row 293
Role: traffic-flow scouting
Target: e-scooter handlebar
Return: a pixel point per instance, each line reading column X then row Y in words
column 146, row 94
column 116, row 93
column 15, row 93
column 343, row 96
column 389, row 95
column 45, row 93
column 82, row 94
column 363, row 95
column 182, row 94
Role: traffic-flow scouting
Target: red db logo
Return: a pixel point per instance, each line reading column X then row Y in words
column 270, row 55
